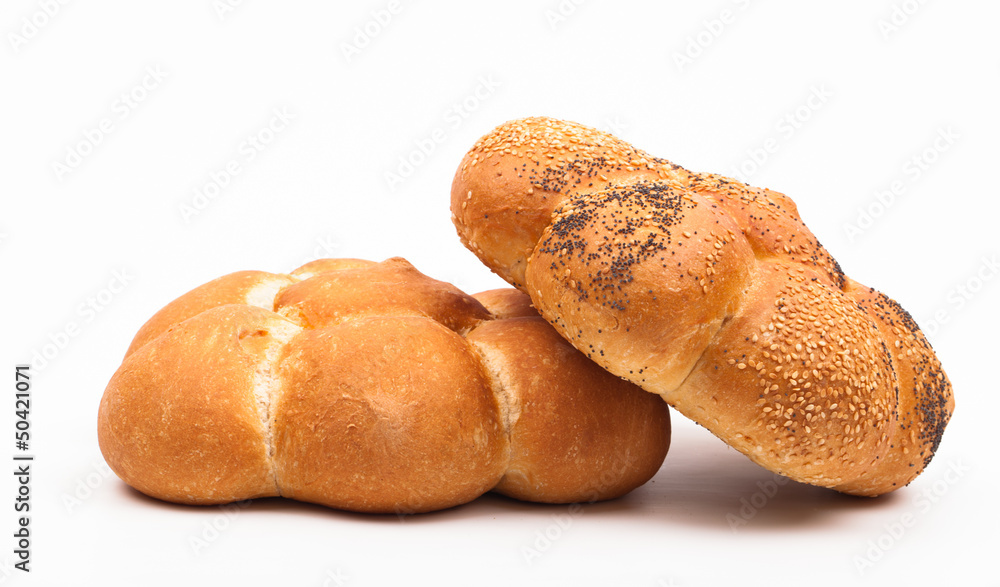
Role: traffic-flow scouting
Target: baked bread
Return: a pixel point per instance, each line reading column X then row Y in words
column 369, row 387
column 712, row 294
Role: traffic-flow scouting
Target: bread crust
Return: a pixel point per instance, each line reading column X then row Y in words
column 253, row 288
column 353, row 386
column 506, row 303
column 190, row 392
column 405, row 399
column 604, row 442
column 710, row 293
column 393, row 287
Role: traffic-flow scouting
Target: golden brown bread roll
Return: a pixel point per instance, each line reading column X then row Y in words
column 369, row 387
column 710, row 293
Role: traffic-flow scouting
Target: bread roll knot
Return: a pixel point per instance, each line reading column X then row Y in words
column 710, row 293
column 369, row 387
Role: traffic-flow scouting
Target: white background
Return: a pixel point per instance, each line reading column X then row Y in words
column 93, row 249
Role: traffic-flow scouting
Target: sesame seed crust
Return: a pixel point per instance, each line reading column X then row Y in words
column 712, row 294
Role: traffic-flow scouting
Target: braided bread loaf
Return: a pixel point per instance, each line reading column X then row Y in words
column 712, row 294
column 369, row 387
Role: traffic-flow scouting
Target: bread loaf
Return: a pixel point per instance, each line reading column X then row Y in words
column 369, row 387
column 712, row 294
